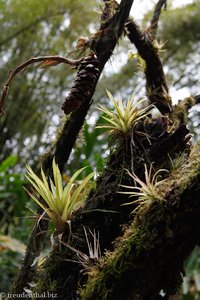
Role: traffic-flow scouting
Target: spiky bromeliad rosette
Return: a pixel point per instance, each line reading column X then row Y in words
column 84, row 84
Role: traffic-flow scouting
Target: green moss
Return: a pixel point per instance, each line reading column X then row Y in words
column 50, row 274
column 185, row 174
column 180, row 111
column 148, row 230
column 128, row 249
column 61, row 128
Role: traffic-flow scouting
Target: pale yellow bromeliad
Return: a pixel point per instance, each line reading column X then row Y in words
column 146, row 192
column 125, row 116
column 59, row 202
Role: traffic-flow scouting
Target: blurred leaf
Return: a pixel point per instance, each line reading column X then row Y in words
column 9, row 243
column 193, row 261
column 9, row 262
column 42, row 257
column 12, row 195
column 8, row 162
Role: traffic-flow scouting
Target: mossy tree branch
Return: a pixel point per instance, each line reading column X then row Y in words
column 103, row 44
column 180, row 111
column 156, row 85
column 147, row 262
column 156, row 17
column 103, row 211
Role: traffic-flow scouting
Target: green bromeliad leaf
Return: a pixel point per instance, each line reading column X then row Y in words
column 60, row 202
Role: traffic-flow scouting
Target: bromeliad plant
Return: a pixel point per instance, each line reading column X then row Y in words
column 146, row 192
column 94, row 251
column 59, row 202
column 125, row 116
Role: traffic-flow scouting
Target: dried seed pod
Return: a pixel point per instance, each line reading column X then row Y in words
column 84, row 84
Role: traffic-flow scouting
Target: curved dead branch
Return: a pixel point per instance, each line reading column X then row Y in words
column 47, row 60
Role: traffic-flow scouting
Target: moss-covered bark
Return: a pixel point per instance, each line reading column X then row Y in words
column 147, row 262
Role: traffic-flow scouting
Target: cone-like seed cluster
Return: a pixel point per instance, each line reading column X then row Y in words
column 84, row 84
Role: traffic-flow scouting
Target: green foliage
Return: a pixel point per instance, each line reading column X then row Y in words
column 9, row 264
column 60, row 202
column 186, row 23
column 124, row 117
column 12, row 207
column 90, row 148
column 191, row 284
column 12, row 195
column 184, row 56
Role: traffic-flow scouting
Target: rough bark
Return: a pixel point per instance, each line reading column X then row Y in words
column 180, row 111
column 156, row 86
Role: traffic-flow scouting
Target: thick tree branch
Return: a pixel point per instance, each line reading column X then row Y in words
column 156, row 86
column 168, row 143
column 147, row 263
column 80, row 96
column 103, row 44
column 110, row 31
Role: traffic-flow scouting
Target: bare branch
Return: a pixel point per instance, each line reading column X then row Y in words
column 3, row 99
column 55, row 59
column 156, row 16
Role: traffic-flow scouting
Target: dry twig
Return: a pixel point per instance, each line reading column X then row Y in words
column 55, row 59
